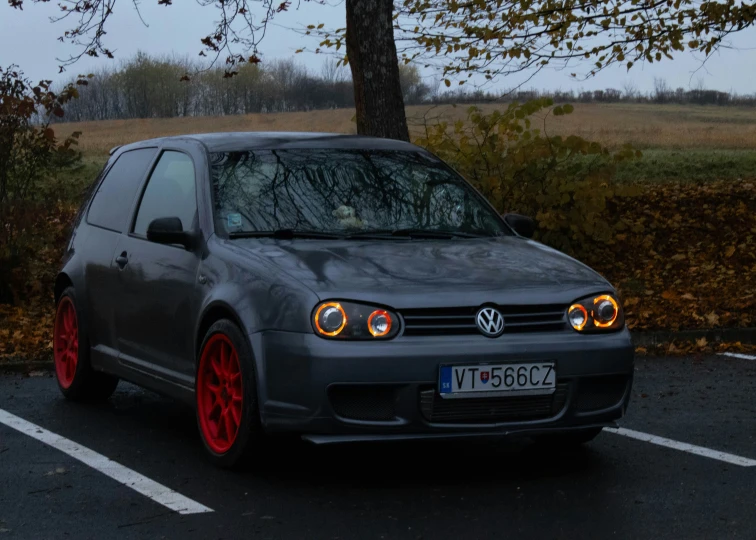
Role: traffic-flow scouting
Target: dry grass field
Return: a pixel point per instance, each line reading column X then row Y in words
column 679, row 142
column 668, row 127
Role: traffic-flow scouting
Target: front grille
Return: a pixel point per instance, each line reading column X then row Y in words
column 487, row 410
column 363, row 402
column 461, row 321
column 597, row 393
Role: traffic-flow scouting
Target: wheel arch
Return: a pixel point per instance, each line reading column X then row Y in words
column 62, row 282
column 213, row 313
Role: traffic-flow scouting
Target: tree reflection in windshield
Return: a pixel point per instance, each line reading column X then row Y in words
column 343, row 191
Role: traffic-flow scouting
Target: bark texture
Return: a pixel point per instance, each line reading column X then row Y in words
column 375, row 69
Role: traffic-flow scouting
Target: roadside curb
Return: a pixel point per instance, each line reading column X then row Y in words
column 26, row 366
column 716, row 335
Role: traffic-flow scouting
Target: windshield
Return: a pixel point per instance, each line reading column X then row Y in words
column 346, row 192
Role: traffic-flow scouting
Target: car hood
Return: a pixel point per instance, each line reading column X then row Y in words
column 431, row 273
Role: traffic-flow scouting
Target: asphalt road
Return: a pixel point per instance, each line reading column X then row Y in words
column 616, row 487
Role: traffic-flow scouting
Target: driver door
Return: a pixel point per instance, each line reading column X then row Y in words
column 158, row 289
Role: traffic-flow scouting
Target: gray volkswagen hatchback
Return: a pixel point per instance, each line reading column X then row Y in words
column 341, row 288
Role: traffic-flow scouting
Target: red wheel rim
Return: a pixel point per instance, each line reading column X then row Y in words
column 219, row 393
column 66, row 342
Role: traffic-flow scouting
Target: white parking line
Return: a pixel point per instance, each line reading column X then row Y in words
column 129, row 478
column 738, row 355
column 685, row 447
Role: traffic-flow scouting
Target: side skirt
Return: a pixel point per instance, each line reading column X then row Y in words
column 144, row 374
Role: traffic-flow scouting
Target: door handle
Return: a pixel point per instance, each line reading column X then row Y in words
column 122, row 260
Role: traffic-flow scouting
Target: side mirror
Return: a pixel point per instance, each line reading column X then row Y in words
column 169, row 230
column 522, row 225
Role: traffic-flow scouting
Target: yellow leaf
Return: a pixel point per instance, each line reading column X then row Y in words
column 701, row 342
column 729, row 252
column 712, row 318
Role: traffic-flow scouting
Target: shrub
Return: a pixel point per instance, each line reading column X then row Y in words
column 564, row 183
column 29, row 155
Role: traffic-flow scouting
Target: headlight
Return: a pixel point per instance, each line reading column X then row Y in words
column 330, row 319
column 599, row 313
column 605, row 311
column 349, row 320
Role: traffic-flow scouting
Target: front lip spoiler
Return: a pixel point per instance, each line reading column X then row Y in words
column 480, row 435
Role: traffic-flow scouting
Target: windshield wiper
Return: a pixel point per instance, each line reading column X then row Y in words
column 414, row 233
column 285, row 234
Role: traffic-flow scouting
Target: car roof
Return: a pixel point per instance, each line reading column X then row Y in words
column 254, row 140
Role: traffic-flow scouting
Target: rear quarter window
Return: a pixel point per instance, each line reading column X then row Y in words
column 111, row 204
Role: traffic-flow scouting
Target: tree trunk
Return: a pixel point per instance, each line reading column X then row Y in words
column 371, row 51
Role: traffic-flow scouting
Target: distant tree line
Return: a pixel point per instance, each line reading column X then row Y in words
column 155, row 87
column 152, row 87
column 629, row 93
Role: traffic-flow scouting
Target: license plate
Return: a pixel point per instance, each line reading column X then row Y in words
column 497, row 379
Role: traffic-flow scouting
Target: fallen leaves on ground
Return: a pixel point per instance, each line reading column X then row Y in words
column 688, row 257
column 26, row 331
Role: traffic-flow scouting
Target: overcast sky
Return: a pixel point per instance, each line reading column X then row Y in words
column 29, row 39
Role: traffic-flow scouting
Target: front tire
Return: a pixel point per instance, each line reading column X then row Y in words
column 228, row 416
column 77, row 380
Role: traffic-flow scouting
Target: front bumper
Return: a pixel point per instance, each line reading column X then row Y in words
column 331, row 391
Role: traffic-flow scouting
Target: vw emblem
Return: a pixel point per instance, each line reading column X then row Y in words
column 490, row 322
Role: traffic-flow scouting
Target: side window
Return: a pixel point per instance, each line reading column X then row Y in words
column 112, row 203
column 170, row 192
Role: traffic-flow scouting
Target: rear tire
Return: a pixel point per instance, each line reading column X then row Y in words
column 77, row 380
column 228, row 415
column 569, row 439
